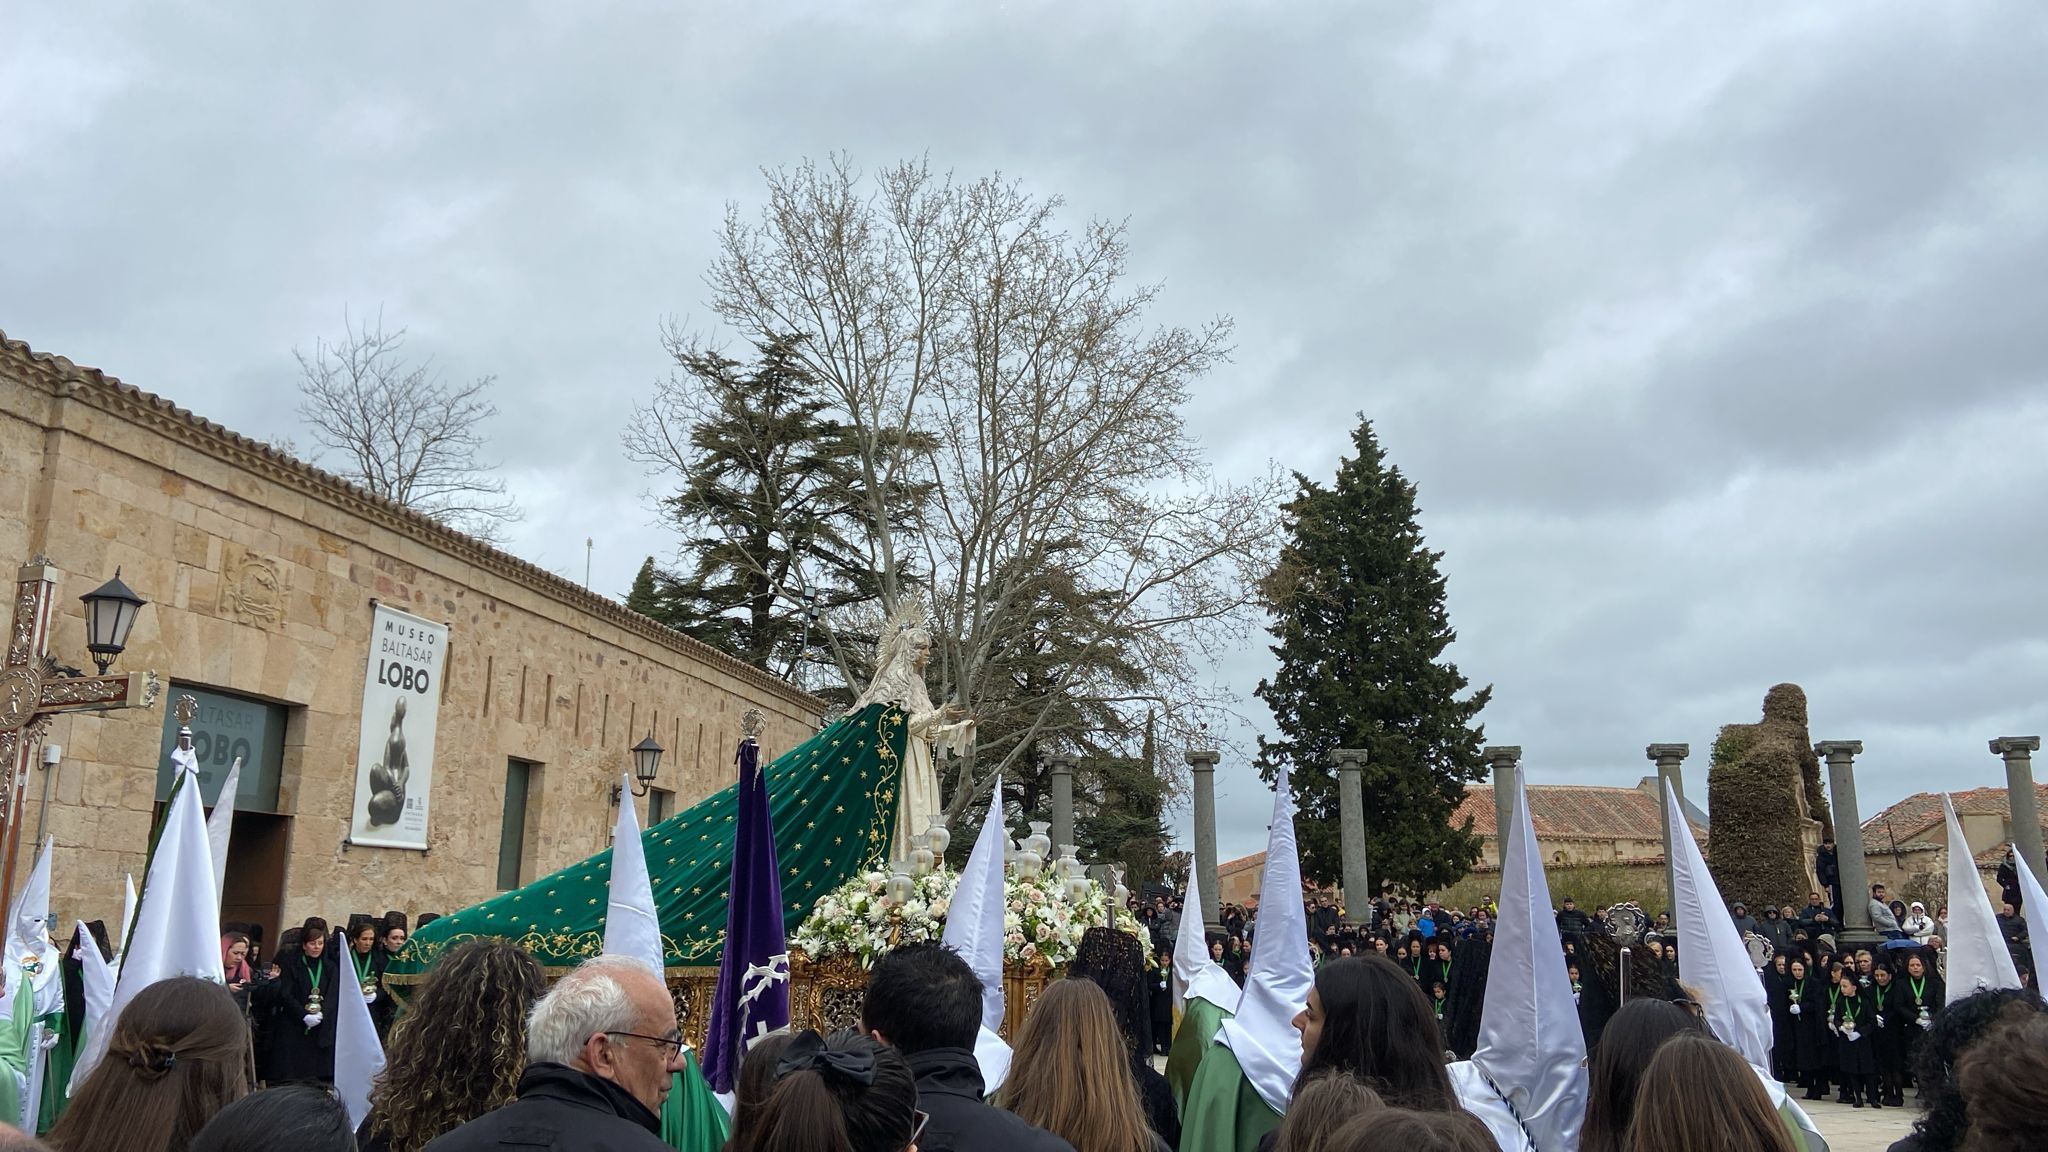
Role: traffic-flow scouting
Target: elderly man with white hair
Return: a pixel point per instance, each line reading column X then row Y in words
column 600, row 1050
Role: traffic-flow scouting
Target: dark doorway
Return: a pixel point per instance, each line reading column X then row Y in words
column 257, row 855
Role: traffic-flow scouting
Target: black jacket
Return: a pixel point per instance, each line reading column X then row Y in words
column 560, row 1109
column 949, row 1091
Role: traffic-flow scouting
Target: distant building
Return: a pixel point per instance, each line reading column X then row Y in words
column 1905, row 847
column 1577, row 825
column 1237, row 881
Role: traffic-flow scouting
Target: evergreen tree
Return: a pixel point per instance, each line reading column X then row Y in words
column 1356, row 608
column 642, row 597
column 765, row 507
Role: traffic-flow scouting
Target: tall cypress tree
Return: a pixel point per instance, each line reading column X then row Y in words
column 1357, row 614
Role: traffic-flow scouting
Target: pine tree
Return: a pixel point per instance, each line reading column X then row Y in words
column 1356, row 608
column 641, row 598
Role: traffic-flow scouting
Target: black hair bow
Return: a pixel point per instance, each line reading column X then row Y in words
column 808, row 1053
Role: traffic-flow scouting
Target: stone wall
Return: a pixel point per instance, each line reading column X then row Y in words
column 260, row 573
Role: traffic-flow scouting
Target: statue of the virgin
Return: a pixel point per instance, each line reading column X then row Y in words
column 899, row 679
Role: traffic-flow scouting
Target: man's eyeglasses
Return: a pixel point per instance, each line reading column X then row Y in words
column 674, row 1044
column 917, row 1129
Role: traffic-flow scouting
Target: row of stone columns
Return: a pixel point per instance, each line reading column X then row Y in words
column 1840, row 756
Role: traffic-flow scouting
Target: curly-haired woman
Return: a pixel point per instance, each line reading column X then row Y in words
column 460, row 1048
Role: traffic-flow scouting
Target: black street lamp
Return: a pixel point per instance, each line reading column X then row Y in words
column 646, row 764
column 110, row 611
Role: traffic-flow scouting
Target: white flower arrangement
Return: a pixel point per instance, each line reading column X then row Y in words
column 1039, row 921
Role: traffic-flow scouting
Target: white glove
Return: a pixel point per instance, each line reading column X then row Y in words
column 1880, row 1021
column 313, row 1019
column 1851, row 1035
column 1926, row 1023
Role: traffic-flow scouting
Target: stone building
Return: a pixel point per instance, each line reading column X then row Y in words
column 1905, row 847
column 261, row 572
column 1237, row 881
column 1578, row 825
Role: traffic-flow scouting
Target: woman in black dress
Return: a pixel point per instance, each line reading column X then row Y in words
column 301, row 1005
column 366, row 963
column 1784, row 1042
column 1807, row 1001
column 1890, row 1031
column 1854, row 1023
column 1923, row 994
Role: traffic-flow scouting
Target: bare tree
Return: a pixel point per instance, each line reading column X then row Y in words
column 402, row 432
column 1014, row 416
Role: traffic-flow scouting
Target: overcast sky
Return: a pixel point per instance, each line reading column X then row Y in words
column 1714, row 337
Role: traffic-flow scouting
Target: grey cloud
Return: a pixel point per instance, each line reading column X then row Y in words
column 1710, row 335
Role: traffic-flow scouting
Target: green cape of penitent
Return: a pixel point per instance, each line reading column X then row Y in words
column 1223, row 1112
column 833, row 800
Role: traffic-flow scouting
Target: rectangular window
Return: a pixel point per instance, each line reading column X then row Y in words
column 661, row 804
column 227, row 727
column 512, row 830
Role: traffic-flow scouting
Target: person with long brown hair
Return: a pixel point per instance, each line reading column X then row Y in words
column 758, row 1066
column 1369, row 1018
column 458, row 1053
column 177, row 1056
column 1070, row 1074
column 842, row 1093
column 1615, row 1068
column 1699, row 1095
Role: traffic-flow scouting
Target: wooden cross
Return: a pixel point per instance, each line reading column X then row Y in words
column 34, row 689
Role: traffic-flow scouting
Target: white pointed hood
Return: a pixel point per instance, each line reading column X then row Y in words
column 632, row 927
column 1195, row 975
column 177, row 922
column 127, row 917
column 96, row 976
column 1531, row 1050
column 1977, row 958
column 975, row 929
column 358, row 1054
column 1262, row 1034
column 219, row 823
column 32, row 960
column 1711, row 955
column 2035, row 907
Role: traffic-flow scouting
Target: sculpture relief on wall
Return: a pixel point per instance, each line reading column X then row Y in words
column 252, row 588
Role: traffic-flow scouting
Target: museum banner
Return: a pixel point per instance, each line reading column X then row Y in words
column 395, row 759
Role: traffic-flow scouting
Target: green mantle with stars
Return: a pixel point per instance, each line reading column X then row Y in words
column 833, row 799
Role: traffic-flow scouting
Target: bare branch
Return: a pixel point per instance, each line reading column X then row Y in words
column 400, row 431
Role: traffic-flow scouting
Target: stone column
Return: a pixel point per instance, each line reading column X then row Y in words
column 1203, row 764
column 1061, row 771
column 1670, row 760
column 1351, row 831
column 1503, row 758
column 2019, row 787
column 1841, row 758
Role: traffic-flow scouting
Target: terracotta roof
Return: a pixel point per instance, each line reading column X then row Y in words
column 1572, row 812
column 1242, row 863
column 61, row 376
column 1922, row 810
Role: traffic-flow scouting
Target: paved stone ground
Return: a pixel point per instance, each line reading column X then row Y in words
column 1860, row 1129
